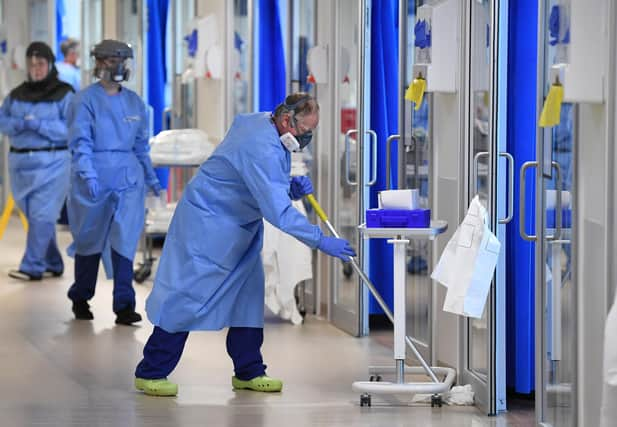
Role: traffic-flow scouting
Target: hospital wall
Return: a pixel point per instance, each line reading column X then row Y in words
column 18, row 33
column 210, row 99
column 590, row 81
column 110, row 20
column 591, row 257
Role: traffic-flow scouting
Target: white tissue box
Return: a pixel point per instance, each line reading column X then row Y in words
column 399, row 199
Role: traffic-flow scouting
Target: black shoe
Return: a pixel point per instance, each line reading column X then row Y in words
column 22, row 275
column 81, row 309
column 128, row 316
column 51, row 273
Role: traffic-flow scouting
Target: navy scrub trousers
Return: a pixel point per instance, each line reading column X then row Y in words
column 86, row 272
column 163, row 350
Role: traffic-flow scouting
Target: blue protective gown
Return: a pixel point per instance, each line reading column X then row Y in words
column 210, row 274
column 39, row 180
column 108, row 138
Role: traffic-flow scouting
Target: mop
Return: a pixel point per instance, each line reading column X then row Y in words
column 324, row 218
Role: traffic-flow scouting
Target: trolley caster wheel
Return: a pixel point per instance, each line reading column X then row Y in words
column 365, row 400
column 142, row 273
column 436, row 400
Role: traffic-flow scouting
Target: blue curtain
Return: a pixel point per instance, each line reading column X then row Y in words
column 271, row 56
column 157, row 75
column 60, row 11
column 384, row 121
column 520, row 269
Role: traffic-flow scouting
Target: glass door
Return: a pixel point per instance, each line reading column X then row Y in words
column 488, row 163
column 182, row 43
column 415, row 151
column 183, row 47
column 556, row 313
column 302, row 38
column 241, row 57
column 347, row 299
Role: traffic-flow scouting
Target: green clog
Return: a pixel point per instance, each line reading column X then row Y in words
column 159, row 387
column 262, row 383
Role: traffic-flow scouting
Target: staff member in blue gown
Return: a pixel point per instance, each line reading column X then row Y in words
column 210, row 274
column 108, row 138
column 68, row 71
column 34, row 118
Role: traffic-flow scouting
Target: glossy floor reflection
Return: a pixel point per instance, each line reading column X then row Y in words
column 56, row 371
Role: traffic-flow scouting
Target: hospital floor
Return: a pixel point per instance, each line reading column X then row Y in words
column 56, row 371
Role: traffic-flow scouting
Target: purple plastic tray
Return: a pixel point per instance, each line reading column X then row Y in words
column 395, row 218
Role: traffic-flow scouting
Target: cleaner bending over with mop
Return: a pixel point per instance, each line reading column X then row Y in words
column 210, row 274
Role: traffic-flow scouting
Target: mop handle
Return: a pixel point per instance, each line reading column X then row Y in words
column 318, row 210
column 322, row 215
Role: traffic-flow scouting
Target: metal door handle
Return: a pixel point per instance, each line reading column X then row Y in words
column 373, row 135
column 166, row 112
column 558, row 209
column 524, row 235
column 510, row 208
column 389, row 158
column 476, row 160
column 555, row 307
column 347, row 158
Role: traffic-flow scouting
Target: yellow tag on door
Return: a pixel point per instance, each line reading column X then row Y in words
column 415, row 92
column 551, row 111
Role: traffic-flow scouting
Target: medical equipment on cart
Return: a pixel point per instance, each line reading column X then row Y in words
column 398, row 218
column 375, row 385
column 181, row 147
column 408, row 199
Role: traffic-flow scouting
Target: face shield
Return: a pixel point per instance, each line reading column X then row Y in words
column 39, row 61
column 113, row 69
column 113, row 61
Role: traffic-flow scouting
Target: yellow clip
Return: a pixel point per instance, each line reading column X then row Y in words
column 318, row 210
column 415, row 92
column 6, row 214
column 551, row 111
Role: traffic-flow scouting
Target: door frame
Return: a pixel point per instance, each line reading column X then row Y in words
column 490, row 392
column 353, row 322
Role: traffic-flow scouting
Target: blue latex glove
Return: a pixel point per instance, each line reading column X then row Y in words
column 93, row 187
column 553, row 25
column 423, row 37
column 335, row 247
column 300, row 186
column 155, row 187
column 32, row 124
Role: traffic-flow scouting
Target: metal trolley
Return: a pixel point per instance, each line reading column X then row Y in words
column 399, row 237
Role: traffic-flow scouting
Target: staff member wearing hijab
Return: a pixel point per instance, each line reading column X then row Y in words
column 34, row 118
